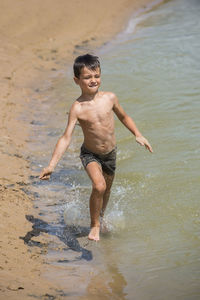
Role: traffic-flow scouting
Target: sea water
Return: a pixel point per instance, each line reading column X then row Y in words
column 152, row 250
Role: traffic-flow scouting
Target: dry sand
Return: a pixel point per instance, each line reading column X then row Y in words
column 35, row 37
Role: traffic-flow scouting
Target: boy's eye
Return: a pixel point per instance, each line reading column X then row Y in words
column 88, row 76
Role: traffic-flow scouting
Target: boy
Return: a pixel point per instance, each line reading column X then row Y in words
column 94, row 111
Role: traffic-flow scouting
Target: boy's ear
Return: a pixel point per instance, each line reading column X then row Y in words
column 76, row 80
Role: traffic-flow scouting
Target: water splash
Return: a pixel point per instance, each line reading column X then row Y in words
column 115, row 220
column 75, row 214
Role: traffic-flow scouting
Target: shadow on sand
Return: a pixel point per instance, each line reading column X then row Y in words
column 68, row 235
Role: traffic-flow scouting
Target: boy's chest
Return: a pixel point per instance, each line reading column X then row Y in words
column 96, row 112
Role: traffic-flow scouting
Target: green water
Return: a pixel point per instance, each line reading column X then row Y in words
column 153, row 249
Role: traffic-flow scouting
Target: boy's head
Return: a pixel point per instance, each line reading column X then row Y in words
column 89, row 61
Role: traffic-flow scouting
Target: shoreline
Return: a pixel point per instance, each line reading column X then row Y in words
column 29, row 55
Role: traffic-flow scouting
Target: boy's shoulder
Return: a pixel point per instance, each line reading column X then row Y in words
column 108, row 94
column 75, row 107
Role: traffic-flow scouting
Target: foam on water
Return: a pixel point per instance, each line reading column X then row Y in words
column 138, row 17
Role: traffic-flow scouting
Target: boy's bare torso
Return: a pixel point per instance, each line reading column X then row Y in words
column 96, row 119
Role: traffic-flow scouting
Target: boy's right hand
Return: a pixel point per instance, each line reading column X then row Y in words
column 46, row 173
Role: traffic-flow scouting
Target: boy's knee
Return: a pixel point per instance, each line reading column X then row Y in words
column 99, row 187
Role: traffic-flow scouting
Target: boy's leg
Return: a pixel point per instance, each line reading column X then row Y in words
column 106, row 196
column 96, row 199
column 109, row 180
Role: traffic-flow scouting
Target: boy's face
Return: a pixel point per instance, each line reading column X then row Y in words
column 89, row 80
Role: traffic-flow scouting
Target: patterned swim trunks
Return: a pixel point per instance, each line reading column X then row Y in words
column 106, row 161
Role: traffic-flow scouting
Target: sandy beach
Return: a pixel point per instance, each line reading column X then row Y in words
column 36, row 37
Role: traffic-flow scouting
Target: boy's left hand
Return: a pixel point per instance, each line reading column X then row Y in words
column 143, row 142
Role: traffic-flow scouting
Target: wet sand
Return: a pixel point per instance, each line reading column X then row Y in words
column 36, row 38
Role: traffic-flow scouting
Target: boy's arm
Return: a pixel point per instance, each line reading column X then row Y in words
column 61, row 145
column 130, row 124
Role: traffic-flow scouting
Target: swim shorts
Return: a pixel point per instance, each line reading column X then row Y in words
column 106, row 161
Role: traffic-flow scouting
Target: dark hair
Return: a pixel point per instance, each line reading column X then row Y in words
column 89, row 61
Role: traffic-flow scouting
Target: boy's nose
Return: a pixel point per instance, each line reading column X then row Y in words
column 93, row 80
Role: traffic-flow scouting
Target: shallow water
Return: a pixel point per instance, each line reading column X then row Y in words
column 152, row 251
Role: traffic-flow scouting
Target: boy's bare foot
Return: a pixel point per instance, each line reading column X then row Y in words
column 94, row 233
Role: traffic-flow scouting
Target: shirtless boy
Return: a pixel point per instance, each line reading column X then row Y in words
column 94, row 112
